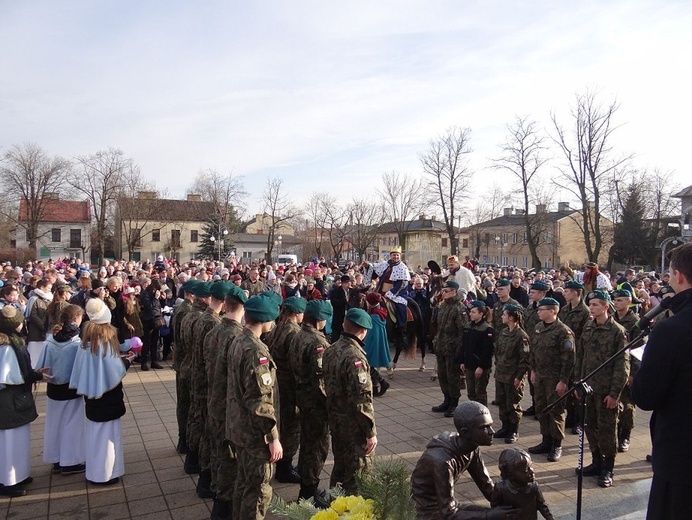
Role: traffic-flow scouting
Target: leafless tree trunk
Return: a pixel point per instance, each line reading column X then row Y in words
column 445, row 163
column 279, row 207
column 316, row 212
column 227, row 193
column 28, row 174
column 522, row 156
column 488, row 207
column 133, row 212
column 588, row 162
column 364, row 216
column 402, row 199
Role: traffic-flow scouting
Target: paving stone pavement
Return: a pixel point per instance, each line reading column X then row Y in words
column 155, row 487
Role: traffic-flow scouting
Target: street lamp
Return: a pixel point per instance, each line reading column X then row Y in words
column 221, row 235
column 277, row 244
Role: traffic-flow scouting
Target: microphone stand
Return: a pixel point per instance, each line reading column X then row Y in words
column 584, row 390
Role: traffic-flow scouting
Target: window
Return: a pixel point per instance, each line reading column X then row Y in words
column 524, row 261
column 56, row 235
column 75, row 238
column 465, row 243
column 524, row 238
column 247, row 254
column 194, row 236
column 514, row 238
column 175, row 238
column 514, row 261
column 136, row 256
column 444, row 242
column 156, row 235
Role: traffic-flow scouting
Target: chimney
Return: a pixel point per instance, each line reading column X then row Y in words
column 421, row 216
column 194, row 197
column 507, row 212
column 563, row 206
column 146, row 195
column 518, row 211
column 540, row 208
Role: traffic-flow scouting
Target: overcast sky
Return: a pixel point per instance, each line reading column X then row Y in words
column 329, row 95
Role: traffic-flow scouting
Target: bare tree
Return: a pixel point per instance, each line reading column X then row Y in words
column 227, row 193
column 30, row 176
column 522, row 156
column 316, row 213
column 488, row 207
column 279, row 208
column 402, row 199
column 589, row 162
column 364, row 217
column 447, row 166
column 101, row 180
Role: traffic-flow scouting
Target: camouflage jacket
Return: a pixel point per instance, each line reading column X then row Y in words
column 629, row 321
column 253, row 288
column 187, row 342
column 306, row 357
column 551, row 355
column 280, row 342
column 531, row 318
column 206, row 322
column 218, row 343
column 451, row 320
column 575, row 318
column 598, row 343
column 251, row 410
column 498, row 326
column 348, row 385
column 511, row 355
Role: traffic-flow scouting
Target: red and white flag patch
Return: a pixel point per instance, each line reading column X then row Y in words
column 358, row 363
column 263, row 360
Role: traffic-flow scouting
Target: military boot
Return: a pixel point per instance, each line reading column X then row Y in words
column 286, row 473
column 462, row 382
column 503, row 431
column 594, row 468
column 442, row 407
column 221, row 510
column 530, row 411
column 605, row 479
column 192, row 463
column 453, row 403
column 182, row 444
column 204, row 484
column 624, row 440
column 543, row 447
column 555, row 450
column 513, row 434
column 318, row 496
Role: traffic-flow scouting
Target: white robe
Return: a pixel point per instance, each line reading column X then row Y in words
column 15, row 455
column 105, row 457
column 63, row 441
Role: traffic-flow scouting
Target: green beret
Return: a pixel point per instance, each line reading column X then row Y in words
column 621, row 293
column 319, row 309
column 598, row 294
column 261, row 309
column 574, row 285
column 273, row 296
column 359, row 317
column 543, row 302
column 478, row 304
column 513, row 307
column 452, row 284
column 295, row 304
column 539, row 286
column 219, row 290
column 201, row 289
column 503, row 282
column 187, row 286
column 237, row 293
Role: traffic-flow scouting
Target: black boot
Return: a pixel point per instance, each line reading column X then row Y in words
column 605, row 479
column 12, row 491
column 192, row 463
column 453, row 403
column 221, row 510
column 145, row 366
column 555, row 451
column 442, row 407
column 513, row 435
column 286, row 473
column 543, row 447
column 502, row 432
column 624, row 440
column 204, row 484
column 156, row 365
column 530, row 411
column 182, row 444
column 384, row 386
column 318, row 496
column 595, row 467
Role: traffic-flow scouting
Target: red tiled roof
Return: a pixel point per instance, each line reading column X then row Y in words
column 56, row 210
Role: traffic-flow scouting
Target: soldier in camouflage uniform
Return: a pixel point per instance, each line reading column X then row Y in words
column 350, row 402
column 305, row 358
column 626, row 317
column 197, row 420
column 502, row 288
column 279, row 342
column 251, row 414
column 551, row 358
column 602, row 337
column 182, row 392
column 512, row 364
column 451, row 320
column 537, row 291
column 202, row 296
column 222, row 456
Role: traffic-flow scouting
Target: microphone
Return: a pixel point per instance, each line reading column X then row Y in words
column 645, row 321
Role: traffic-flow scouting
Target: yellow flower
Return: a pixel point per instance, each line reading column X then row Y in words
column 325, row 514
column 364, row 507
column 353, row 501
column 340, row 505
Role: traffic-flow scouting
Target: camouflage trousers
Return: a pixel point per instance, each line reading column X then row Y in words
column 601, row 426
column 552, row 423
column 197, row 439
column 628, row 413
column 477, row 387
column 222, row 459
column 314, row 445
column 252, row 492
column 509, row 400
column 448, row 373
column 289, row 425
column 182, row 407
column 348, row 449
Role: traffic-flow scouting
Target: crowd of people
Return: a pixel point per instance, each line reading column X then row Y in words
column 316, row 335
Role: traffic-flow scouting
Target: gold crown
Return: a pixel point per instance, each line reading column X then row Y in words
column 395, row 249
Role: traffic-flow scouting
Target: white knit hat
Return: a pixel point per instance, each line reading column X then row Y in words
column 98, row 311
